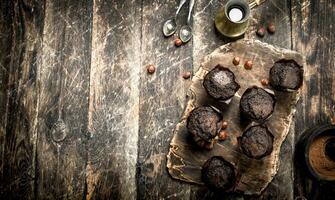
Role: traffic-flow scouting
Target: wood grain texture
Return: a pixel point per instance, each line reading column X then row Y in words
column 162, row 100
column 50, row 90
column 5, row 54
column 206, row 38
column 18, row 134
column 313, row 35
column 114, row 100
column 279, row 13
column 64, row 75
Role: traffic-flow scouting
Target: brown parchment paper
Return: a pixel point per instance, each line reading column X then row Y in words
column 185, row 159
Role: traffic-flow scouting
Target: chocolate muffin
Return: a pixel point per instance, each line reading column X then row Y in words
column 220, row 83
column 218, row 174
column 204, row 123
column 257, row 142
column 286, row 75
column 257, row 104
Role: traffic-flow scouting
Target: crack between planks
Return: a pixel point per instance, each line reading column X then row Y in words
column 36, row 122
column 88, row 131
column 137, row 168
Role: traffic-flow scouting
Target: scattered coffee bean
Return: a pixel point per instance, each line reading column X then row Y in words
column 223, row 135
column 265, row 82
column 236, row 60
column 186, row 75
column 260, row 32
column 224, row 125
column 178, row 42
column 151, row 69
column 271, row 28
column 248, row 65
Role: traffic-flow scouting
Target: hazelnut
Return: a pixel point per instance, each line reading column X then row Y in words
column 223, row 135
column 186, row 75
column 224, row 125
column 178, row 42
column 265, row 82
column 333, row 120
column 151, row 69
column 271, row 28
column 209, row 145
column 201, row 143
column 248, row 65
column 236, row 60
column 260, row 32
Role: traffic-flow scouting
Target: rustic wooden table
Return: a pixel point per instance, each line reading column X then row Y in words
column 82, row 119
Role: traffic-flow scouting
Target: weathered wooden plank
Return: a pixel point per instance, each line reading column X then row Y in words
column 64, row 75
column 313, row 35
column 207, row 39
column 21, row 34
column 279, row 13
column 162, row 100
column 114, row 100
column 6, row 33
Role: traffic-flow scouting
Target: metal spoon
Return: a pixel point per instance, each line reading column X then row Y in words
column 185, row 32
column 170, row 25
column 256, row 3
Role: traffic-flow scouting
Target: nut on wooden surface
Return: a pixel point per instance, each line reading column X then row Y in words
column 265, row 82
column 223, row 135
column 224, row 125
column 186, row 75
column 333, row 120
column 236, row 60
column 260, row 32
column 271, row 28
column 178, row 42
column 248, row 64
column 151, row 68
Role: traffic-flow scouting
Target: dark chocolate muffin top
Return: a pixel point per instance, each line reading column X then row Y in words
column 257, row 104
column 286, row 75
column 257, row 142
column 204, row 122
column 220, row 83
column 218, row 174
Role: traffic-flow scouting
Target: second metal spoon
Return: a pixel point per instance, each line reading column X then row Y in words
column 185, row 32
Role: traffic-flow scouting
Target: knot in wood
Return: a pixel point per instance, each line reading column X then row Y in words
column 59, row 131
